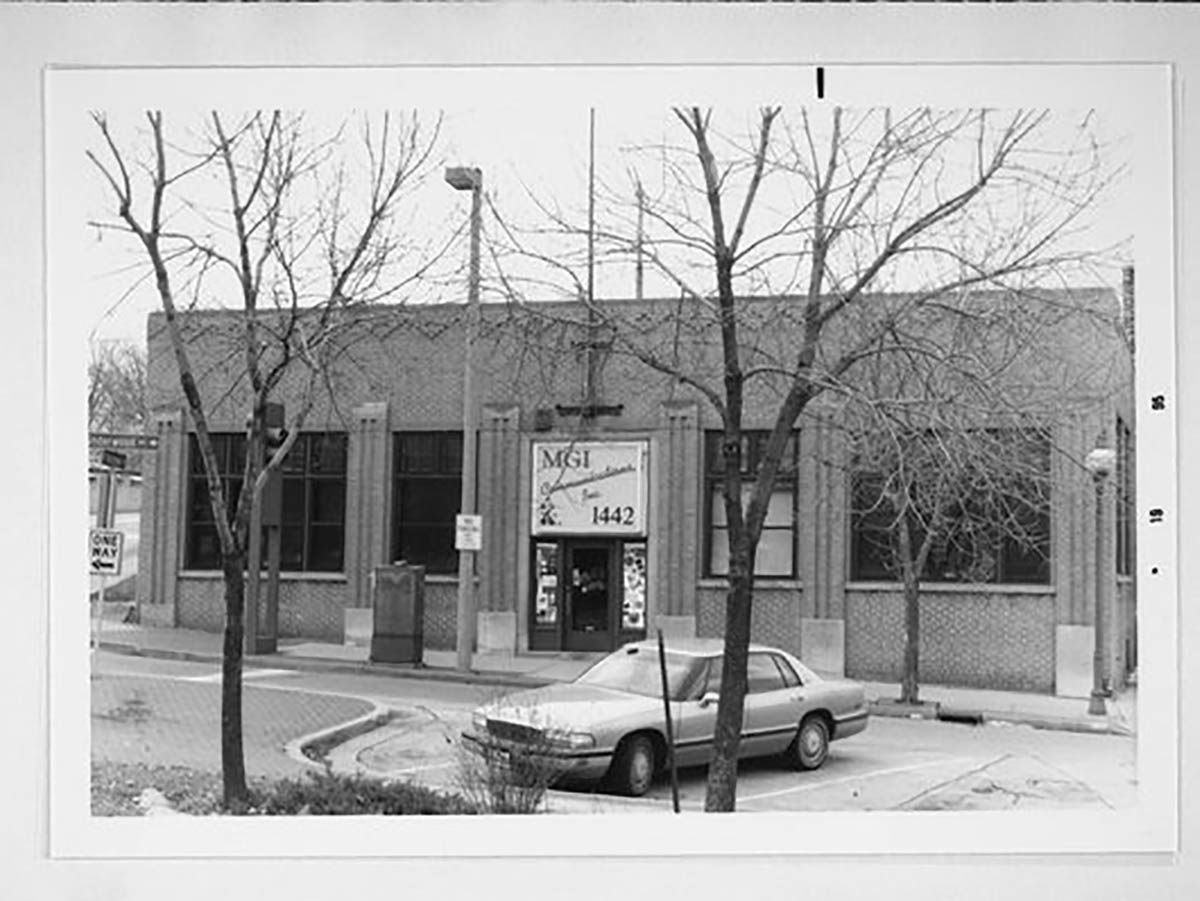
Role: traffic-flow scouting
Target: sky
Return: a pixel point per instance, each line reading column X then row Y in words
column 523, row 142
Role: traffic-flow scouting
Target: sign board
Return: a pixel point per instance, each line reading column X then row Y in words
column 113, row 459
column 468, row 532
column 589, row 487
column 106, row 547
column 112, row 441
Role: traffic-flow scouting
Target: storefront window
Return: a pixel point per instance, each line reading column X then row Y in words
column 776, row 555
column 545, row 606
column 995, row 529
column 633, row 607
column 312, row 527
column 428, row 495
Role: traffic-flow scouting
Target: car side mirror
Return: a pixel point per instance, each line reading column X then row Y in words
column 709, row 698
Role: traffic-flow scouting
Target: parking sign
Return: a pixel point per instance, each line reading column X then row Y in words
column 106, row 547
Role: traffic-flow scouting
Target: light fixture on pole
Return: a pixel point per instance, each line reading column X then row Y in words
column 1100, row 463
column 464, row 178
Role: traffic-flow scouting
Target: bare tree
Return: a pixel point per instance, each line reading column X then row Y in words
column 801, row 249
column 300, row 233
column 116, row 387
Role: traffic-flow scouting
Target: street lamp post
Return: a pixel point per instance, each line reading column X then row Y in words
column 1100, row 463
column 463, row 178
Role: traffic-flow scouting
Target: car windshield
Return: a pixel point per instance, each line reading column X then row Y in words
column 636, row 671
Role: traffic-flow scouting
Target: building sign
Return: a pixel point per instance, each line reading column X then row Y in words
column 468, row 532
column 105, row 547
column 589, row 488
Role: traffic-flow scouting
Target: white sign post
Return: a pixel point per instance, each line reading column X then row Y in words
column 105, row 550
column 468, row 532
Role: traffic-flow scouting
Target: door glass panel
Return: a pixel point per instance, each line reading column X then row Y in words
column 589, row 590
column 633, row 605
column 545, row 605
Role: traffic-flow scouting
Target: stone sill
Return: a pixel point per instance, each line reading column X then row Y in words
column 956, row 588
column 211, row 575
column 785, row 584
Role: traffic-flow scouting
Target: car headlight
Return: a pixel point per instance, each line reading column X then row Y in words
column 564, row 739
column 479, row 721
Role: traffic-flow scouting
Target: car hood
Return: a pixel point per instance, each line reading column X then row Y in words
column 571, row 706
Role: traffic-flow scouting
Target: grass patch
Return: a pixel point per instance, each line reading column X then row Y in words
column 116, row 788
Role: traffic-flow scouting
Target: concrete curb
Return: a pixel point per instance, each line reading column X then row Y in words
column 935, row 710
column 310, row 664
column 298, row 748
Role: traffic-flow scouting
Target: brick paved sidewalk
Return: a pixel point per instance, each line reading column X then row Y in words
column 172, row 721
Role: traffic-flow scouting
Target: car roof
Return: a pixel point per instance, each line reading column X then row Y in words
column 692, row 647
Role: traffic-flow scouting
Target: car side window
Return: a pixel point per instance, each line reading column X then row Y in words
column 762, row 674
column 714, row 675
column 790, row 679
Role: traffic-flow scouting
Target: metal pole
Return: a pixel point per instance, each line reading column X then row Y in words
column 1096, row 705
column 666, row 696
column 465, row 640
column 104, row 520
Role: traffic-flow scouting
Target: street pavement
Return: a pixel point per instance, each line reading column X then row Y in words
column 156, row 700
column 897, row 764
column 149, row 719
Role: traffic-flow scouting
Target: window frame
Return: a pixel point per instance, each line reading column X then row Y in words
column 1008, row 548
column 230, row 450
column 446, row 470
column 309, row 478
column 786, row 482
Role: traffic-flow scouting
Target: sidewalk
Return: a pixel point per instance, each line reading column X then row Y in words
column 534, row 669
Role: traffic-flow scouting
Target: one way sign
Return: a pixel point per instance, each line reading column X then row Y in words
column 106, row 547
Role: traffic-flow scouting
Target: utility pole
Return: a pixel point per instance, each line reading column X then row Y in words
column 468, row 179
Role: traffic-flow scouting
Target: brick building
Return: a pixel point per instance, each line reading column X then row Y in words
column 595, row 482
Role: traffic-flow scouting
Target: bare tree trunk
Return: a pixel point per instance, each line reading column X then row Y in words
column 910, row 572
column 721, row 794
column 233, row 763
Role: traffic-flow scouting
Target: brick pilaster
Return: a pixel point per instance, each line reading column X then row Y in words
column 500, row 505
column 163, row 520
column 368, row 492
column 676, row 513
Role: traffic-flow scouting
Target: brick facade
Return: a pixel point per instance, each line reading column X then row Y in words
column 985, row 639
column 406, row 375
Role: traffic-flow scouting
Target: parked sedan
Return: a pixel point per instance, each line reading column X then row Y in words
column 609, row 723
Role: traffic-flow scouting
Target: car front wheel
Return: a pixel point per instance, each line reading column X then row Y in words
column 632, row 769
column 810, row 747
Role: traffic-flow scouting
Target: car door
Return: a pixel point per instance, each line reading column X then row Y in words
column 774, row 700
column 696, row 720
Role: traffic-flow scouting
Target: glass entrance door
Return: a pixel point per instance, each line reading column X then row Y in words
column 590, row 592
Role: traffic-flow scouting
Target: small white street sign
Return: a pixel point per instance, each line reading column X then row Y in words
column 468, row 532
column 106, row 547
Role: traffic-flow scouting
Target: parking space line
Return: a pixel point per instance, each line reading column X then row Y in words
column 809, row 786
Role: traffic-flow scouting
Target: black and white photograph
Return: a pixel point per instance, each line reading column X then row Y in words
column 539, row 460
column 737, row 457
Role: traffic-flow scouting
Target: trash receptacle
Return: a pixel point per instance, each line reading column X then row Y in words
column 398, row 599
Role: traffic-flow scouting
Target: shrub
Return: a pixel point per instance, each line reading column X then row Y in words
column 333, row 794
column 512, row 779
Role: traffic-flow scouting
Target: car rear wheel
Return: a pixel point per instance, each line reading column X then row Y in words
column 632, row 769
column 810, row 747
